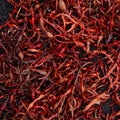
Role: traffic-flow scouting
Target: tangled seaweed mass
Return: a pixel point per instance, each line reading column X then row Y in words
column 60, row 60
